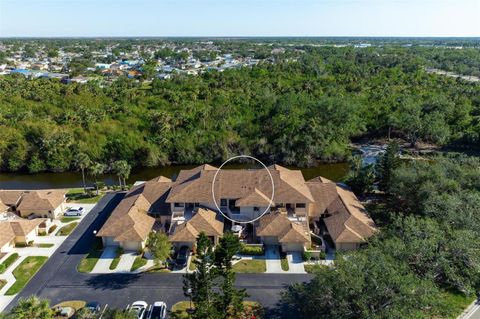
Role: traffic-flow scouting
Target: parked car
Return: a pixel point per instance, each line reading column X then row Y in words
column 158, row 311
column 74, row 211
column 93, row 306
column 138, row 308
column 182, row 257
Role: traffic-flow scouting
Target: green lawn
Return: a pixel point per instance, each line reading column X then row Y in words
column 179, row 310
column 76, row 195
column 8, row 262
column 192, row 265
column 67, row 229
column 284, row 263
column 66, row 219
column 24, row 272
column 455, row 303
column 87, row 263
column 116, row 260
column 250, row 266
column 45, row 245
column 138, row 263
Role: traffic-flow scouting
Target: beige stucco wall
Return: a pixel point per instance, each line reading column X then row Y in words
column 8, row 246
column 132, row 245
column 108, row 241
column 43, row 213
column 293, row 247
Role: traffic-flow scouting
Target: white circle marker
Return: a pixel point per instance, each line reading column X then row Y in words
column 213, row 189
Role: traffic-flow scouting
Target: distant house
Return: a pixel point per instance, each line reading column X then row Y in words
column 18, row 231
column 42, row 203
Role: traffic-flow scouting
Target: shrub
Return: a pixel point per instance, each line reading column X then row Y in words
column 323, row 255
column 307, row 256
column 251, row 250
column 52, row 229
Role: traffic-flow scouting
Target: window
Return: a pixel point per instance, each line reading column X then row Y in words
column 300, row 205
column 178, row 205
column 256, row 209
column 196, row 204
column 223, row 202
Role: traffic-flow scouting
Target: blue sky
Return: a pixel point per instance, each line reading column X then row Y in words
column 239, row 18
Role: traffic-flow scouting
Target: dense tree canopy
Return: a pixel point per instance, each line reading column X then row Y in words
column 291, row 112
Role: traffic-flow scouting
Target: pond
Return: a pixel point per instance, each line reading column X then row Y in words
column 334, row 172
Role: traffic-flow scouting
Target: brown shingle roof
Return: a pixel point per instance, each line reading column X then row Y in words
column 10, row 198
column 349, row 221
column 285, row 230
column 205, row 220
column 6, row 233
column 255, row 198
column 42, row 200
column 129, row 220
column 324, row 194
column 195, row 185
column 3, row 207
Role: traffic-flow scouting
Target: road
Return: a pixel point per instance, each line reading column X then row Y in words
column 473, row 312
column 58, row 279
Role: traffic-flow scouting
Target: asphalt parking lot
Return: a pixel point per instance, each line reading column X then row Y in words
column 58, row 280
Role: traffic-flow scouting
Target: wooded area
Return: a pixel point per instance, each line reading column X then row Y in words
column 292, row 111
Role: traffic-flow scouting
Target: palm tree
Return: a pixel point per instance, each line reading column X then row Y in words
column 82, row 162
column 122, row 169
column 95, row 170
column 32, row 307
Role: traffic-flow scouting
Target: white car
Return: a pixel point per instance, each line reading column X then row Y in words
column 158, row 311
column 74, row 211
column 138, row 308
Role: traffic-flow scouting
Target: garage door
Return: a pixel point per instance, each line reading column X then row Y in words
column 292, row 247
column 270, row 240
column 132, row 245
column 108, row 241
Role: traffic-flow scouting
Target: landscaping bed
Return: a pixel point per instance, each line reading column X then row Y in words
column 67, row 229
column 251, row 250
column 252, row 310
column 24, row 272
column 45, row 245
column 250, row 266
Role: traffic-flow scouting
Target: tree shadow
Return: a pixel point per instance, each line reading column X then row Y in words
column 111, row 281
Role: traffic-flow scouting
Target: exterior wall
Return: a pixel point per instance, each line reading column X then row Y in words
column 293, row 247
column 108, row 241
column 43, row 213
column 31, row 236
column 269, row 240
column 8, row 246
column 346, row 246
column 132, row 245
column 249, row 212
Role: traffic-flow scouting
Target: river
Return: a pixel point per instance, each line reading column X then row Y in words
column 334, row 172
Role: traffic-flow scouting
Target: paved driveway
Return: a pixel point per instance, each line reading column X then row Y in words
column 103, row 264
column 295, row 263
column 272, row 259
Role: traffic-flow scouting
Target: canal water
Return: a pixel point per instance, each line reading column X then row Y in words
column 334, row 172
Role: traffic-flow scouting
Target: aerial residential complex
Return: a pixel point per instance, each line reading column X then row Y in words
column 184, row 207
